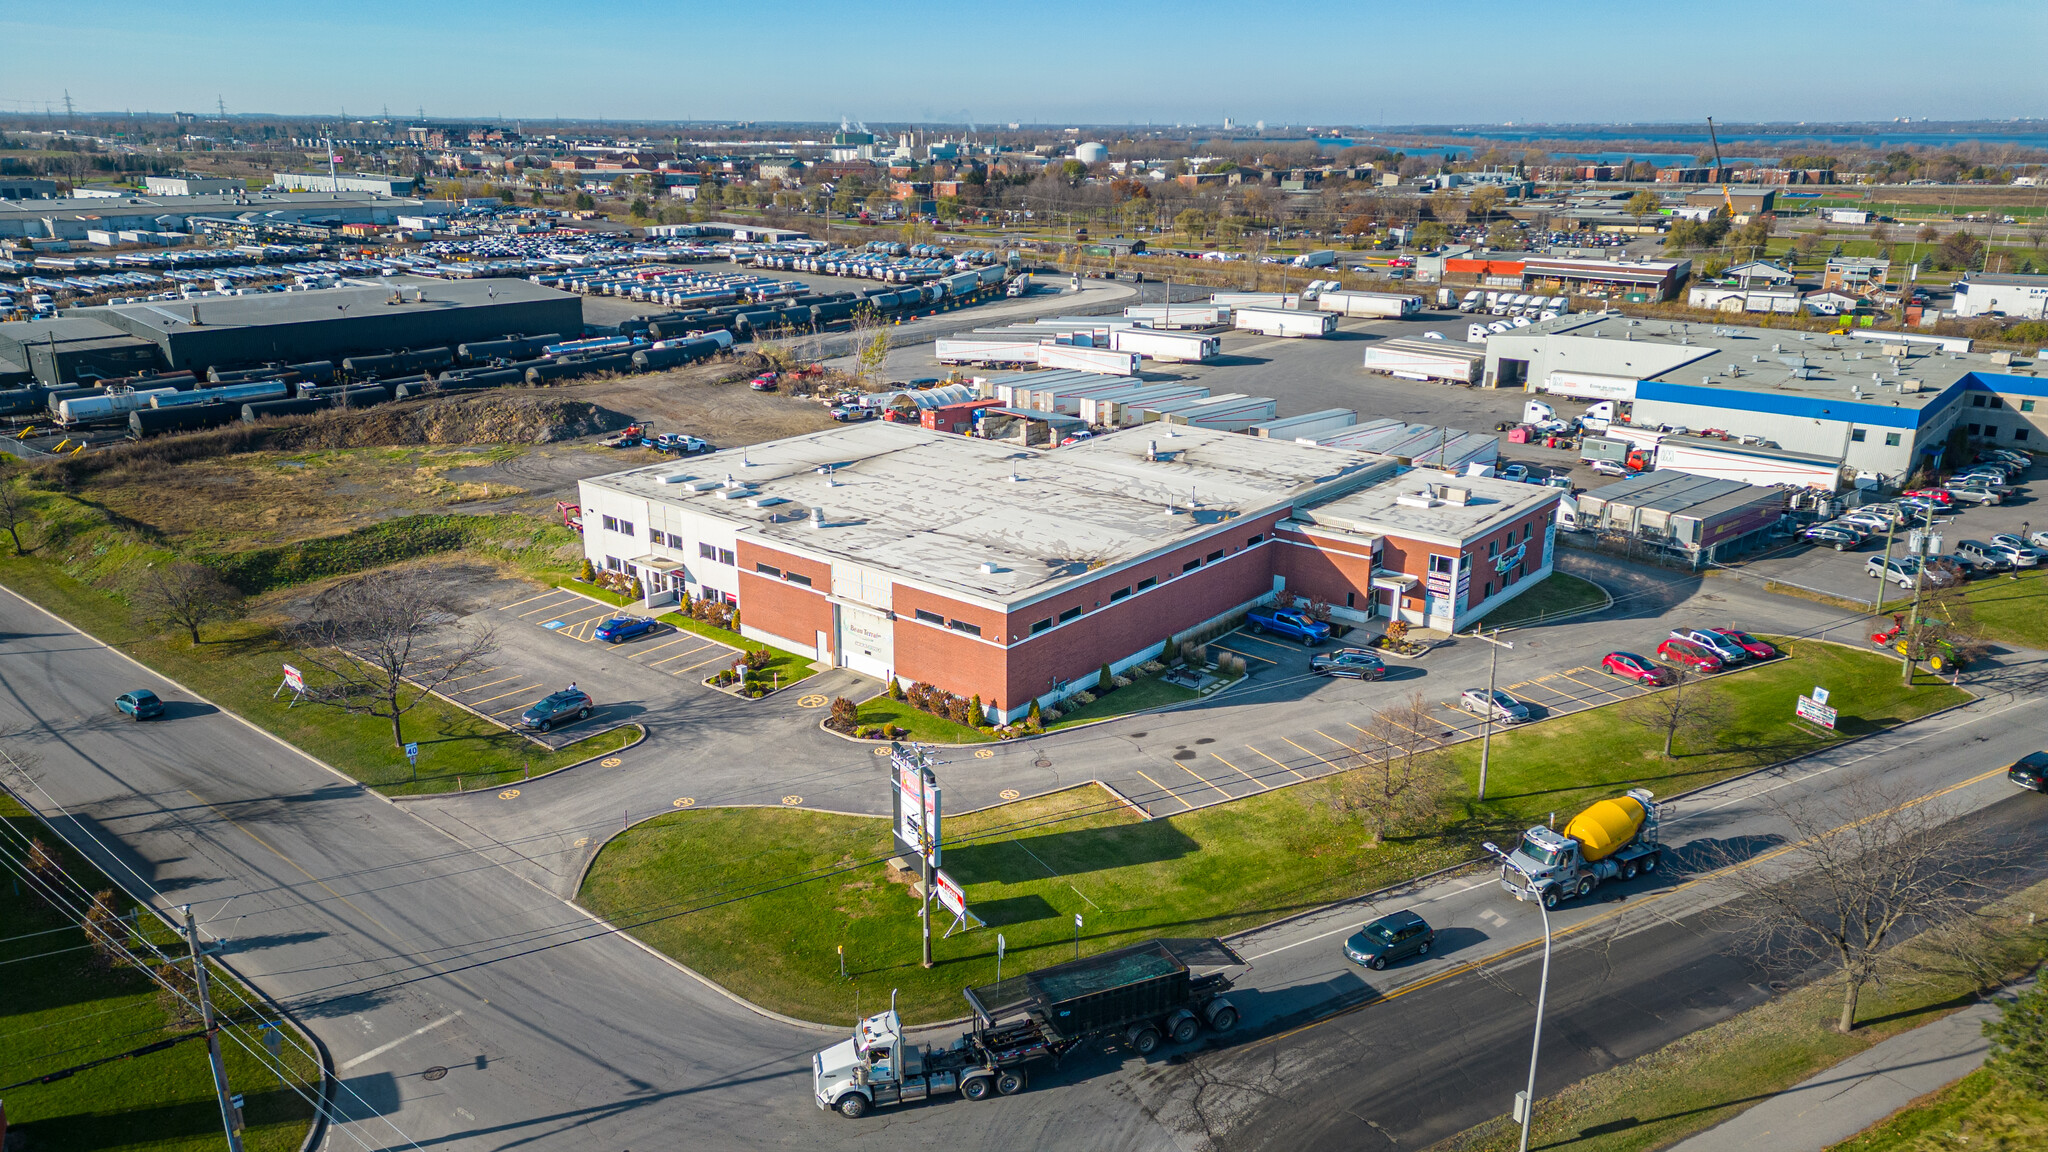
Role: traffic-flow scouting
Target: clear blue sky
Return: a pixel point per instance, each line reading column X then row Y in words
column 1361, row 62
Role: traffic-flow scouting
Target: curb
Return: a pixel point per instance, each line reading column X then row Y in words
column 550, row 772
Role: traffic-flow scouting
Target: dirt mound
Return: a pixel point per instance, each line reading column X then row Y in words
column 490, row 418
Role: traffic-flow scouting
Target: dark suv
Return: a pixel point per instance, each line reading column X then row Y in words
column 1390, row 938
column 568, row 704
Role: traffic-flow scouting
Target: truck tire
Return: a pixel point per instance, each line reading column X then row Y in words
column 1650, row 862
column 1629, row 870
column 1009, row 1083
column 1223, row 1019
column 1550, row 897
column 1585, row 886
column 1256, row 629
column 1184, row 1029
column 978, row 1088
column 852, row 1106
column 1145, row 1040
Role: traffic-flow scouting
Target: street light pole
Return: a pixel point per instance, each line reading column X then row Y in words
column 1525, row 1106
column 1486, row 724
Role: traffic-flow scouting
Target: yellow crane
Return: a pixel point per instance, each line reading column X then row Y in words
column 1720, row 172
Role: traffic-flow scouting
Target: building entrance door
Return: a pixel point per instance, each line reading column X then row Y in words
column 867, row 641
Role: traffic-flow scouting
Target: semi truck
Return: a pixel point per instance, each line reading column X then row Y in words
column 1138, row 995
column 1615, row 839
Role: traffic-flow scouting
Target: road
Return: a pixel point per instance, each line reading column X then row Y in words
column 374, row 923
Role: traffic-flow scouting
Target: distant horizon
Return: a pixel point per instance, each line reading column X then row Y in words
column 1054, row 63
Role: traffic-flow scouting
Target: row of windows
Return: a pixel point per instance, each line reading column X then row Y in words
column 614, row 524
column 710, row 552
column 1147, row 582
column 1991, row 431
column 1981, row 400
column 792, row 577
column 955, row 625
column 1493, row 548
column 1857, row 435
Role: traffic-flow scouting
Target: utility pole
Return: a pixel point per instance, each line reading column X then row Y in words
column 1877, row 602
column 1922, row 545
column 1486, row 723
column 929, row 844
column 230, row 1117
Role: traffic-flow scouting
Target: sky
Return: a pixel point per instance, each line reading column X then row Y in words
column 1138, row 62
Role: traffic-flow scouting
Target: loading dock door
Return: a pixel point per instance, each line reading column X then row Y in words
column 867, row 641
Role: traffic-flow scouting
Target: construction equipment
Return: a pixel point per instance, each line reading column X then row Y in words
column 1613, row 839
column 1720, row 172
column 571, row 514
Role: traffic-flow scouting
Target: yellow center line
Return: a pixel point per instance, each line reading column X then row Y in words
column 1241, row 772
column 1603, row 917
column 1165, row 789
column 1297, row 775
column 1246, row 655
column 502, row 695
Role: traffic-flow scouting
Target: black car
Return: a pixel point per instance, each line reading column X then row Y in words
column 1353, row 662
column 1392, row 937
column 2030, row 772
column 556, row 707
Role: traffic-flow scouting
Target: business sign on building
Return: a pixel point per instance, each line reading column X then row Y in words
column 1589, row 385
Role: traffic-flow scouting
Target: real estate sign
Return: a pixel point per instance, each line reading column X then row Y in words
column 1814, row 711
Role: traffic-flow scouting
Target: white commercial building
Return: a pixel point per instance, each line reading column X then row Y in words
column 2004, row 294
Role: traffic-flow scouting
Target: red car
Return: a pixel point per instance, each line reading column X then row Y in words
column 1630, row 666
column 1689, row 655
column 1941, row 496
column 765, row 382
column 1757, row 649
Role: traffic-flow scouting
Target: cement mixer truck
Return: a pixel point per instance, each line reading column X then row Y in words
column 1612, row 840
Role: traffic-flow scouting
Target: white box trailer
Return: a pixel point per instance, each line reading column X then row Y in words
column 986, row 351
column 1746, row 463
column 1308, row 426
column 1167, row 347
column 1323, row 258
column 1117, row 410
column 1105, row 360
column 1255, row 299
column 1427, row 360
column 1225, row 413
column 1393, row 305
column 1283, row 322
column 1170, row 316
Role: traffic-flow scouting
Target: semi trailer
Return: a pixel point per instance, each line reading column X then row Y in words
column 1283, row 321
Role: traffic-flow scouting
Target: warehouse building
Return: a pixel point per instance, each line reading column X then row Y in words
column 1635, row 281
column 1015, row 575
column 68, row 349
column 331, row 323
column 189, row 185
column 1881, row 408
column 70, row 218
column 1698, row 518
column 368, row 182
column 2003, row 294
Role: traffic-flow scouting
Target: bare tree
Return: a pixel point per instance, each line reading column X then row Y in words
column 870, row 346
column 383, row 642
column 1688, row 707
column 14, row 509
column 1402, row 775
column 1869, row 867
column 186, row 595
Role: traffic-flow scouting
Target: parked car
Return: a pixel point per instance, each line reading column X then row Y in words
column 1728, row 650
column 1889, row 511
column 852, row 415
column 620, row 629
column 1630, row 666
column 1396, row 936
column 1839, row 537
column 1899, row 570
column 2030, row 772
column 569, row 703
column 1940, row 496
column 141, row 704
column 1519, row 473
column 1504, row 709
column 1755, row 648
column 1976, row 494
column 2022, row 553
column 1686, row 654
column 765, row 382
column 1978, row 554
column 682, row 445
column 1612, row 468
column 1352, row 663
column 1290, row 623
column 1944, row 572
column 1871, row 522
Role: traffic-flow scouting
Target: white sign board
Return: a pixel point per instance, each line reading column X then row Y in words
column 917, row 807
column 294, row 679
column 1816, row 712
column 951, row 896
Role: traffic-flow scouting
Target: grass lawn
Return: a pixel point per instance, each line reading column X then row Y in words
column 757, row 899
column 1697, row 1082
column 1555, row 596
column 1980, row 1110
column 66, row 1009
column 2013, row 610
column 238, row 667
column 1144, row 692
column 786, row 667
column 924, row 726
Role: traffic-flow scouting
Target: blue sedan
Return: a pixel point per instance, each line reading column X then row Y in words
column 620, row 629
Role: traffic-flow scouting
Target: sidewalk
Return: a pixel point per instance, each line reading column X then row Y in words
column 1858, row 1092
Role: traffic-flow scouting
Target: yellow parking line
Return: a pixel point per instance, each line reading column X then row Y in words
column 1246, row 655
column 548, row 607
column 659, row 647
column 492, row 684
column 1332, row 764
column 698, row 664
column 1202, row 778
column 515, row 708
column 1594, row 687
column 680, row 655
column 1263, row 640
column 1241, row 772
column 1297, row 775
column 1165, row 789
column 502, row 695
column 531, row 599
column 478, row 672
column 1405, row 728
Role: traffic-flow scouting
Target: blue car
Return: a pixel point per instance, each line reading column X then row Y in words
column 620, row 629
column 140, row 705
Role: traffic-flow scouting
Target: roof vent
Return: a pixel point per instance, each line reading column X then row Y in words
column 817, row 517
column 674, row 478
column 988, row 568
column 1416, row 499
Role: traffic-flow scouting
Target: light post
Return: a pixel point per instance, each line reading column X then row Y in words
column 1525, row 1104
column 1486, row 723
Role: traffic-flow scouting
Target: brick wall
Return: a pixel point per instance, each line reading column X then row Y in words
column 1339, row 573
column 780, row 606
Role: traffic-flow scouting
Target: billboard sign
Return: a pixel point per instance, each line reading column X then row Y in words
column 916, row 800
column 1815, row 712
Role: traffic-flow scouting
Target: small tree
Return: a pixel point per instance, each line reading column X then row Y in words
column 974, row 706
column 587, row 573
column 379, row 640
column 1034, row 717
column 634, row 591
column 1688, row 707
column 1106, row 679
column 895, row 689
column 2019, row 1041
column 1643, row 204
column 186, row 595
column 14, row 508
column 1402, row 776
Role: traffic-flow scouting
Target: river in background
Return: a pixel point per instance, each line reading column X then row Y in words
column 1771, row 144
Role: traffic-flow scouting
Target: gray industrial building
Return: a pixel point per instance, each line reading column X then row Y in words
column 70, row 218
column 325, row 324
column 67, row 349
column 342, row 182
column 189, row 185
column 23, row 188
column 1698, row 518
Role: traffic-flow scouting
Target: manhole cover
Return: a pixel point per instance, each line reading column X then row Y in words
column 434, row 1073
column 1042, row 762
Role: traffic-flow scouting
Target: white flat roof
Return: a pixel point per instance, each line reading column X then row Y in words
column 934, row 508
column 1392, row 509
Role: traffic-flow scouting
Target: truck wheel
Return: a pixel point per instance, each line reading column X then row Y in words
column 1585, row 885
column 1650, row 862
column 853, row 1107
column 1145, row 1040
column 1550, row 897
column 1009, row 1083
column 1184, row 1029
column 1224, row 1019
column 1256, row 629
column 1628, row 870
column 977, row 1088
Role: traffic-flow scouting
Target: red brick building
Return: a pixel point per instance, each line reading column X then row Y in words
column 1014, row 575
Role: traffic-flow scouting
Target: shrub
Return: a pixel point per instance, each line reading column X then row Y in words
column 895, row 689
column 845, row 715
column 898, row 732
column 1081, row 699
column 587, row 573
column 1033, row 717
column 1105, row 680
column 760, row 658
column 634, row 591
column 980, row 714
column 869, row 733
column 1151, row 667
column 1052, row 714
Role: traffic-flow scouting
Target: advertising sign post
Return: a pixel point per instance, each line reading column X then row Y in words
column 917, row 823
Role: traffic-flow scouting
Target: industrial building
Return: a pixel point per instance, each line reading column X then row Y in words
column 1880, row 406
column 190, row 185
column 70, row 218
column 68, row 349
column 342, row 182
column 1698, row 518
column 1015, row 575
column 23, row 188
column 2003, row 294
column 1635, row 281
column 324, row 324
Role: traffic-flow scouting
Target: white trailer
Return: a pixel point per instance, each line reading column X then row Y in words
column 1178, row 315
column 1392, row 305
column 1105, row 360
column 1166, row 347
column 1588, row 386
column 1321, row 259
column 986, row 351
column 1307, row 427
column 1128, row 407
column 1427, row 360
column 1747, row 463
column 1255, row 299
column 1283, row 322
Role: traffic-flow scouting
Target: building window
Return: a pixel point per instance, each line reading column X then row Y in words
column 1212, row 557
column 707, row 551
column 676, row 541
column 1041, row 626
column 1488, row 594
column 964, row 626
column 725, row 556
column 1147, row 582
column 1856, row 435
column 1351, row 599
column 1191, row 565
column 611, row 524
column 1442, row 565
column 2026, row 405
column 767, row 569
column 1975, row 430
column 930, row 617
column 611, row 563
column 1977, row 401
column 626, row 527
column 1070, row 613
column 1119, row 594
column 1891, row 439
column 1998, row 401
column 797, row 578
column 707, row 592
column 654, row 535
column 2019, row 433
column 1493, row 547
column 1255, row 541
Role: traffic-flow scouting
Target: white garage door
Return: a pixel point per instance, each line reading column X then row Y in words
column 867, row 641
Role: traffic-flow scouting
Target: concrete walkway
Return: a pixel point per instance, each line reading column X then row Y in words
column 1858, row 1092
